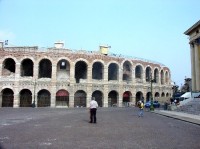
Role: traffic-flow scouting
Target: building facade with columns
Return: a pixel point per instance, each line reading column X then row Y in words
column 60, row 77
column 194, row 37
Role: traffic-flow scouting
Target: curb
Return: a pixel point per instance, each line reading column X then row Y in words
column 178, row 117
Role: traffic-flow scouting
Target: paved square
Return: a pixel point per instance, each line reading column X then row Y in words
column 117, row 128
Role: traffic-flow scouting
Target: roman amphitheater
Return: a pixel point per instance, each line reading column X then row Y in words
column 60, row 77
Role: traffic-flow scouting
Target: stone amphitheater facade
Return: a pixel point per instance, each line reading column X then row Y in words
column 59, row 77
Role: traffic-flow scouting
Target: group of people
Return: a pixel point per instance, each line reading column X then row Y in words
column 94, row 106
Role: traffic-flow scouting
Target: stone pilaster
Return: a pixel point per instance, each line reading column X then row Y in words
column 71, row 101
column 16, row 101
column 0, row 99
column 105, row 82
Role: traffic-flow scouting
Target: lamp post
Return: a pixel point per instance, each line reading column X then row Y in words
column 33, row 104
column 151, row 81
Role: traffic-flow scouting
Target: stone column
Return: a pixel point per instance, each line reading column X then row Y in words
column 105, row 82
column 16, row 101
column 0, row 99
column 192, row 54
column 197, row 65
column 53, row 85
column 71, row 101
column 89, row 74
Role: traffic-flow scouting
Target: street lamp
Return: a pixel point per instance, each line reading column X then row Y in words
column 151, row 81
column 33, row 104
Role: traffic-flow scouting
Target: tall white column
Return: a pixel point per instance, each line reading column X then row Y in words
column 192, row 53
column 197, row 65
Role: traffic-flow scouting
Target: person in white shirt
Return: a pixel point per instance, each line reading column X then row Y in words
column 93, row 109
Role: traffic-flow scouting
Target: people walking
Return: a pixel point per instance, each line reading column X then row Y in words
column 141, row 109
column 93, row 109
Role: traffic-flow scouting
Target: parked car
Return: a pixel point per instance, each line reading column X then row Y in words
column 156, row 104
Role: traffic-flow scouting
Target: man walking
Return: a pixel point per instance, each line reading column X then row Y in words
column 93, row 109
column 141, row 107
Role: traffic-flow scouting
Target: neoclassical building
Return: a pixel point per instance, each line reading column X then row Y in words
column 194, row 37
column 60, row 77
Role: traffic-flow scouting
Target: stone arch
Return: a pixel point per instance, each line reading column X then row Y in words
column 113, row 71
column 62, row 98
column 7, row 97
column 157, row 95
column 167, row 94
column 112, row 98
column 9, row 66
column 25, row 98
column 162, row 77
column 163, row 94
column 44, row 98
column 80, row 98
column 138, row 96
column 127, row 98
column 45, row 68
column 148, row 96
column 98, row 97
column 26, row 68
column 63, row 70
column 127, row 71
column 156, row 75
column 167, row 77
column 81, row 71
column 138, row 71
column 148, row 74
column 97, row 70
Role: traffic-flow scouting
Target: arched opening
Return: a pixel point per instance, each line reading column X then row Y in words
column 162, row 77
column 127, row 73
column 113, row 72
column 62, row 98
column 80, row 71
column 98, row 97
column 156, row 76
column 139, row 96
column 44, row 98
column 8, row 67
column 112, row 99
column 25, row 98
column 166, row 77
column 80, row 99
column 63, row 70
column 163, row 94
column 148, row 74
column 138, row 72
column 157, row 95
column 127, row 98
column 27, row 68
column 97, row 71
column 7, row 98
column 45, row 68
column 167, row 94
column 148, row 96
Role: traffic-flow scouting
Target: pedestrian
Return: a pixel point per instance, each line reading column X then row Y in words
column 93, row 110
column 141, row 109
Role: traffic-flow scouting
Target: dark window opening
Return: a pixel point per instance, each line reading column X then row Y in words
column 45, row 68
column 9, row 67
column 113, row 72
column 27, row 68
column 80, row 71
column 97, row 71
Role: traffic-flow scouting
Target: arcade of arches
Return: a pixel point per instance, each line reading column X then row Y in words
column 64, row 81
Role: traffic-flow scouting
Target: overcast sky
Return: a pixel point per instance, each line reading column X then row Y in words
column 149, row 29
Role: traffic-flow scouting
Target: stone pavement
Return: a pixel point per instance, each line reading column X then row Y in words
column 191, row 118
column 116, row 128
